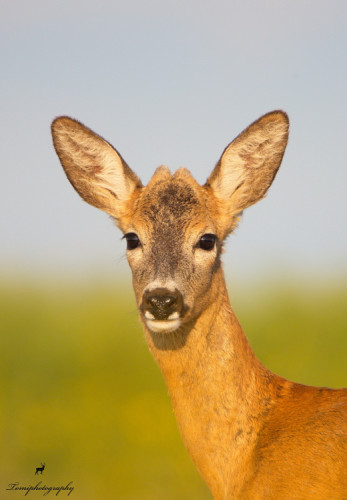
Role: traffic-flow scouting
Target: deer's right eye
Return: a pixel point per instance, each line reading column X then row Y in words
column 132, row 241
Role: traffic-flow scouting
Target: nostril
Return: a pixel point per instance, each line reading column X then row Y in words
column 169, row 300
column 162, row 301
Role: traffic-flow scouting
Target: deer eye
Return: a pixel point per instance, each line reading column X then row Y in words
column 207, row 242
column 132, row 241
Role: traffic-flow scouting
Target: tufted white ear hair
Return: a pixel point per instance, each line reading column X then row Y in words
column 95, row 169
column 250, row 162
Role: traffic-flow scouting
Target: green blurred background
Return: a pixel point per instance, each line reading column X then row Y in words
column 81, row 392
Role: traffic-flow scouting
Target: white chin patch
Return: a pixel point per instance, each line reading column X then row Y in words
column 169, row 325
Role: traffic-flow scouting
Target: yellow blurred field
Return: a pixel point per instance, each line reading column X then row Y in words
column 81, row 392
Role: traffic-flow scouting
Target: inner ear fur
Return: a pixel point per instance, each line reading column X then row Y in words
column 95, row 169
column 250, row 162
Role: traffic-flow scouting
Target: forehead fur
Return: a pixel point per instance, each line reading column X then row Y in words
column 170, row 198
column 163, row 173
column 171, row 202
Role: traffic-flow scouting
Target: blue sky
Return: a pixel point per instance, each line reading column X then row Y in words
column 173, row 83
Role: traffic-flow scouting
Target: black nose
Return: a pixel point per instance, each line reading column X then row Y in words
column 161, row 303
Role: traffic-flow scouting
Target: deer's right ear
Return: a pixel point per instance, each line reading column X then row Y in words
column 95, row 169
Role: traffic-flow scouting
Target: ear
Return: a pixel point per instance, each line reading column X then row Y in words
column 249, row 164
column 95, row 169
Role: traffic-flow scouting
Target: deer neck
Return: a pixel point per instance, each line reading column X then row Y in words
column 219, row 390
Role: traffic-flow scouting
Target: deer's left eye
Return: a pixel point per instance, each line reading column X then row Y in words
column 207, row 242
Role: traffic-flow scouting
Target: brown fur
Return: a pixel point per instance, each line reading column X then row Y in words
column 252, row 434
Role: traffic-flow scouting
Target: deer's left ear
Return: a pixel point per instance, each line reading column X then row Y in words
column 249, row 164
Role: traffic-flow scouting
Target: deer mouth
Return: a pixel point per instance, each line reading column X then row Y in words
column 169, row 324
column 165, row 326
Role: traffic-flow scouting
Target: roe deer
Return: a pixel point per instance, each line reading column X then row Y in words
column 251, row 434
column 40, row 469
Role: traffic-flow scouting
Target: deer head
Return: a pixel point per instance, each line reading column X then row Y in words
column 174, row 227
